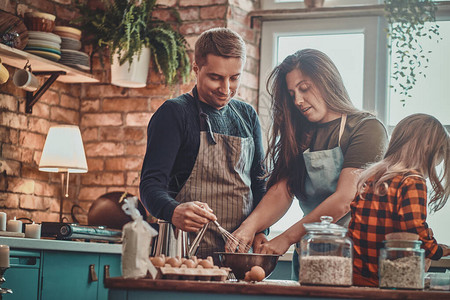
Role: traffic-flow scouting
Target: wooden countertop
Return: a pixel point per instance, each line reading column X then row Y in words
column 270, row 287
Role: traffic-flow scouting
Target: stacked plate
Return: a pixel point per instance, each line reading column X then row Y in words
column 44, row 44
column 70, row 45
column 66, row 31
column 75, row 59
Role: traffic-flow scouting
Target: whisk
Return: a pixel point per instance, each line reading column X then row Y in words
column 228, row 236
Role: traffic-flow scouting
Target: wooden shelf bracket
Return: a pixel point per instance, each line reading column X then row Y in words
column 33, row 98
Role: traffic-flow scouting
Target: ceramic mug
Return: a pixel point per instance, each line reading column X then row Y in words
column 4, row 74
column 26, row 80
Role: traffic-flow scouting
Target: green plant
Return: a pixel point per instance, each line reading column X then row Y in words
column 124, row 27
column 409, row 22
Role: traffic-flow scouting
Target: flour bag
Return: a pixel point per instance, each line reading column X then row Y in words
column 136, row 238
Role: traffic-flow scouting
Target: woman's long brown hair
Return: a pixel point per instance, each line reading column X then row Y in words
column 291, row 131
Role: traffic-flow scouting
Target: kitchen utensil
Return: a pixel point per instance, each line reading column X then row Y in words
column 4, row 74
column 44, row 36
column 13, row 31
column 70, row 32
column 107, row 211
column 237, row 243
column 174, row 242
column 243, row 262
column 26, row 80
column 194, row 247
column 37, row 21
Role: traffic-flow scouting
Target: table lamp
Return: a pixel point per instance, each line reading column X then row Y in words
column 63, row 153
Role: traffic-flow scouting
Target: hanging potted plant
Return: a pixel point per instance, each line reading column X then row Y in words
column 133, row 37
column 409, row 22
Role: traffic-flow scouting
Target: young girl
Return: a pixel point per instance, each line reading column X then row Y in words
column 392, row 194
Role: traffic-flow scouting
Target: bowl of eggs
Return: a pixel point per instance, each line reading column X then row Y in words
column 243, row 264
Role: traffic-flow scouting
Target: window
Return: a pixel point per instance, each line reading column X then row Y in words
column 358, row 47
column 279, row 4
column 429, row 95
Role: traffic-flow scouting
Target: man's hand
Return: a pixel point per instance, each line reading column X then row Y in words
column 191, row 216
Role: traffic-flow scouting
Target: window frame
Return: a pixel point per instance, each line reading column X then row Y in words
column 273, row 4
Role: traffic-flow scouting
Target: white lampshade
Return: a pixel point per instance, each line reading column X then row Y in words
column 63, row 151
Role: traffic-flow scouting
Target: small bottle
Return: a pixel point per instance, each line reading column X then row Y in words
column 401, row 265
column 326, row 256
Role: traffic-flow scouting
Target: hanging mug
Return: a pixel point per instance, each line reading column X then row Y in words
column 24, row 79
column 4, row 74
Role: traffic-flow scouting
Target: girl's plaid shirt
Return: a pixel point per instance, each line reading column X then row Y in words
column 402, row 209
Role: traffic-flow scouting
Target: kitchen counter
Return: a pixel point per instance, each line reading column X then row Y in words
column 60, row 245
column 60, row 269
column 131, row 289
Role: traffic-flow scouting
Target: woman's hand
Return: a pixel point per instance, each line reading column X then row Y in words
column 427, row 264
column 278, row 245
column 245, row 236
column 260, row 238
column 445, row 250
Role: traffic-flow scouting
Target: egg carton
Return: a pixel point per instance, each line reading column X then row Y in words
column 214, row 274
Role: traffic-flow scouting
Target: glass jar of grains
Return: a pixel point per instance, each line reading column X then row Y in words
column 401, row 265
column 326, row 254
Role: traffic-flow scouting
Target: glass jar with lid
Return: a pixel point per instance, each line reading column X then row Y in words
column 326, row 254
column 401, row 265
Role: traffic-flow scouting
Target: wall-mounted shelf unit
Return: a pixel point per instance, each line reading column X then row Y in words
column 18, row 58
column 41, row 66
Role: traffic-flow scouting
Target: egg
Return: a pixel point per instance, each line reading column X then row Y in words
column 205, row 263
column 247, row 276
column 157, row 261
column 189, row 263
column 257, row 273
column 174, row 262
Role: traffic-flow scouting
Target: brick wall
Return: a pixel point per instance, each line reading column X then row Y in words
column 113, row 120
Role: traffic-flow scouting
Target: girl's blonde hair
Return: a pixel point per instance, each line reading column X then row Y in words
column 419, row 142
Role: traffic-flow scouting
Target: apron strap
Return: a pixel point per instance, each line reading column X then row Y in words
column 205, row 125
column 342, row 127
column 247, row 130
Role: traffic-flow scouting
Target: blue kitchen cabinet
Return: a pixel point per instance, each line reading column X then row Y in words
column 77, row 275
column 51, row 269
column 110, row 266
column 69, row 275
column 23, row 275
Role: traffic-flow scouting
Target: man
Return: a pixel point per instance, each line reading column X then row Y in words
column 204, row 149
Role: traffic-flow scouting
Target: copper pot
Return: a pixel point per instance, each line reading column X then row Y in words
column 107, row 211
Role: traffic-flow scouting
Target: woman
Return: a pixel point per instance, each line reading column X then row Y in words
column 318, row 145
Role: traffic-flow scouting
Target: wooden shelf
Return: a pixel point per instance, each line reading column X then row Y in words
column 18, row 58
